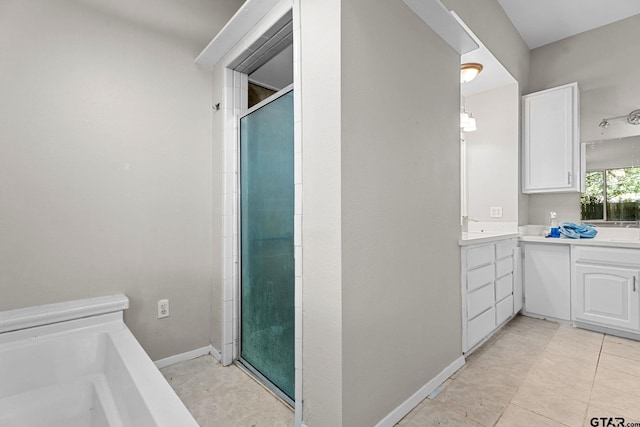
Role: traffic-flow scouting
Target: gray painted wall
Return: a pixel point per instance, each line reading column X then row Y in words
column 105, row 159
column 381, row 163
column 600, row 61
column 400, row 174
column 217, row 212
column 379, row 285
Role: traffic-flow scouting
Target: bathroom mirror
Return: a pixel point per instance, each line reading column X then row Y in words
column 612, row 181
column 489, row 152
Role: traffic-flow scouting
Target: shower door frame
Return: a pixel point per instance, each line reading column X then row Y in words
column 234, row 103
column 245, row 364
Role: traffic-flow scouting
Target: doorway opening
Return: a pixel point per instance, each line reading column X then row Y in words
column 265, row 297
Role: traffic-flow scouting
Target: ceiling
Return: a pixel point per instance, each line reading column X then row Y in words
column 541, row 22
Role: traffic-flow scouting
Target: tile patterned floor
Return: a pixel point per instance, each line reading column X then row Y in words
column 225, row 397
column 530, row 373
column 539, row 373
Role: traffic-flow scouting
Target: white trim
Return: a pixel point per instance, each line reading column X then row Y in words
column 297, row 234
column 438, row 18
column 405, row 407
column 264, row 85
column 285, row 90
column 39, row 315
column 216, row 354
column 183, row 357
column 240, row 24
column 234, row 102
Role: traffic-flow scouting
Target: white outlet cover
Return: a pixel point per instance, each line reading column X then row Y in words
column 163, row 308
column 495, row 212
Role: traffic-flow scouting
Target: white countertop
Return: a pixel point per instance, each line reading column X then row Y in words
column 475, row 237
column 612, row 237
column 616, row 242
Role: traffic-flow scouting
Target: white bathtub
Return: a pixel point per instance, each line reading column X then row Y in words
column 84, row 369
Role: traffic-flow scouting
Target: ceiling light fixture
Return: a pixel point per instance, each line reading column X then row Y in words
column 469, row 71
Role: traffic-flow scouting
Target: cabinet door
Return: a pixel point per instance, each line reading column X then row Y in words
column 480, row 327
column 547, row 280
column 607, row 296
column 551, row 139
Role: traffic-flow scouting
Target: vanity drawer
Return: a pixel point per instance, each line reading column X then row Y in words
column 615, row 256
column 504, row 286
column 504, row 266
column 479, row 255
column 479, row 300
column 504, row 310
column 480, row 327
column 480, row 276
column 505, row 248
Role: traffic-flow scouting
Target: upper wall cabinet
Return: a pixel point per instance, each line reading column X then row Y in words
column 551, row 141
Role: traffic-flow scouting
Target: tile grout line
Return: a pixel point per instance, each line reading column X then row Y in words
column 525, row 379
column 593, row 382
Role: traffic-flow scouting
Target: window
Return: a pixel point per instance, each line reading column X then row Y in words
column 611, row 195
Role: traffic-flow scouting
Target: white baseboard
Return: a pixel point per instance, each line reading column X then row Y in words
column 216, row 354
column 183, row 357
column 405, row 407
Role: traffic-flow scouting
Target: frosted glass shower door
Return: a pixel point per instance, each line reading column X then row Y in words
column 266, row 253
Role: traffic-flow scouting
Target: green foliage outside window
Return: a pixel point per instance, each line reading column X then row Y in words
column 612, row 195
column 592, row 199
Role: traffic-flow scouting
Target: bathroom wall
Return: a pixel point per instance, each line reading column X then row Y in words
column 400, row 174
column 492, row 26
column 381, row 288
column 603, row 64
column 492, row 154
column 106, row 160
column 322, row 264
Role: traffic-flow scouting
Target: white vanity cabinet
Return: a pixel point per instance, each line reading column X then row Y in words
column 487, row 288
column 551, row 141
column 605, row 287
column 547, row 280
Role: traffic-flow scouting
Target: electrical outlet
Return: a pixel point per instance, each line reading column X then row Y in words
column 163, row 308
column 495, row 212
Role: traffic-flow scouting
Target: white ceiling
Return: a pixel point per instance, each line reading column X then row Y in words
column 541, row 22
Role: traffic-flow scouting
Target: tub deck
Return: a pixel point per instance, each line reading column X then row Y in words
column 86, row 371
